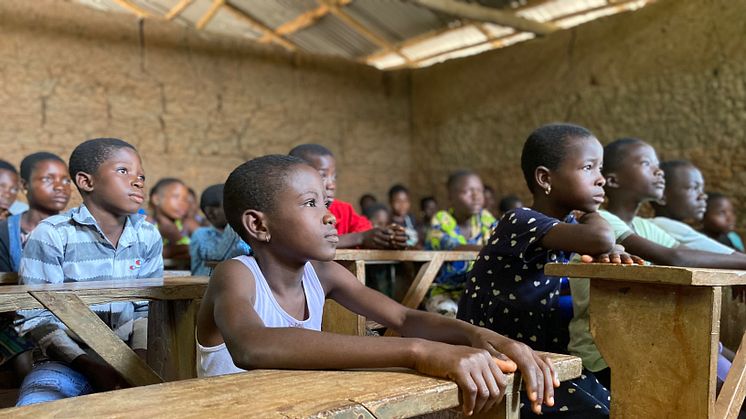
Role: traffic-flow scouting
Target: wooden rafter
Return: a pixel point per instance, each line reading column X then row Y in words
column 133, row 8
column 488, row 14
column 177, row 9
column 207, row 17
column 302, row 21
column 259, row 26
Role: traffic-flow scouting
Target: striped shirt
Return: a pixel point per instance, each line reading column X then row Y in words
column 70, row 247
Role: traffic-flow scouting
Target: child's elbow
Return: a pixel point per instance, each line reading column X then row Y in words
column 602, row 241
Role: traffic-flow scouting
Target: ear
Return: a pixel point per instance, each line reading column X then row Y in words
column 24, row 186
column 156, row 199
column 543, row 178
column 612, row 181
column 84, row 181
column 255, row 223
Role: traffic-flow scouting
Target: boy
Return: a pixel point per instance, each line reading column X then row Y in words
column 9, row 187
column 400, row 206
column 354, row 230
column 217, row 242
column 102, row 239
column 720, row 221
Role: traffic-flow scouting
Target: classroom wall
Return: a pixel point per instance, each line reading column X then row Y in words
column 194, row 105
column 673, row 73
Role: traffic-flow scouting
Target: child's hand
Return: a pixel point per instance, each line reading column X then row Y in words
column 617, row 256
column 536, row 369
column 397, row 237
column 103, row 377
column 481, row 382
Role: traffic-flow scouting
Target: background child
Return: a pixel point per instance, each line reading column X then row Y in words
column 490, row 201
column 365, row 201
column 169, row 202
column 215, row 243
column 102, row 239
column 354, row 230
column 9, row 187
column 193, row 219
column 378, row 215
column 719, row 221
column 400, row 206
column 428, row 209
column 464, row 226
column 508, row 203
column 265, row 311
column 508, row 291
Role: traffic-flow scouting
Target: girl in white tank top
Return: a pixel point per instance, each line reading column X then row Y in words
column 215, row 360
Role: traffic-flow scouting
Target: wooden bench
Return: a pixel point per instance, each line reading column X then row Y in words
column 657, row 328
column 171, row 321
column 289, row 394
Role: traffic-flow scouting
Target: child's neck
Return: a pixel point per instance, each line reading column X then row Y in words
column 31, row 218
column 281, row 275
column 624, row 207
column 112, row 225
column 462, row 219
column 544, row 204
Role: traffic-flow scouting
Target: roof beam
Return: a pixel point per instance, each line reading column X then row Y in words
column 207, row 17
column 133, row 8
column 487, row 14
column 259, row 26
column 177, row 9
column 302, row 21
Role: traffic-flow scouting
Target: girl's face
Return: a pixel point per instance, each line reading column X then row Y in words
column 639, row 173
column 431, row 207
column 301, row 226
column 720, row 217
column 8, row 188
column 467, row 195
column 577, row 184
column 400, row 204
column 173, row 201
column 49, row 186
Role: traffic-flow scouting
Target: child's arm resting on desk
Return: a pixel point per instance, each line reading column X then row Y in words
column 345, row 289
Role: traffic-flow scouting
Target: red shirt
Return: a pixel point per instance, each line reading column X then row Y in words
column 348, row 221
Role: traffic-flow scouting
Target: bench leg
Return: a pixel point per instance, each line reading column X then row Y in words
column 171, row 342
column 338, row 319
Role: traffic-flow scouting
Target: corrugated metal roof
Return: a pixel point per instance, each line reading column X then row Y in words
column 274, row 13
column 331, row 36
column 396, row 21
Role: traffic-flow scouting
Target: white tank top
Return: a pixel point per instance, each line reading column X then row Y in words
column 216, row 360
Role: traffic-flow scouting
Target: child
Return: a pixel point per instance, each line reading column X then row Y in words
column 720, row 221
column 169, row 201
column 508, row 291
column 378, row 215
column 508, row 203
column 265, row 311
column 365, row 201
column 428, row 209
column 193, row 220
column 102, row 239
column 215, row 243
column 8, row 188
column 354, row 230
column 400, row 205
column 464, row 226
column 490, row 203
column 45, row 178
column 633, row 177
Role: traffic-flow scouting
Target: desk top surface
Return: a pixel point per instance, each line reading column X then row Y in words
column 403, row 255
column 665, row 275
column 280, row 393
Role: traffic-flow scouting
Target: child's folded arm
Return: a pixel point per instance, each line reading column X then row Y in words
column 682, row 256
column 591, row 236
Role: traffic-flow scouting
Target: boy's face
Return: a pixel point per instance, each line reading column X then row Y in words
column 49, row 186
column 431, row 207
column 173, row 201
column 685, row 194
column 216, row 216
column 577, row 184
column 467, row 195
column 327, row 168
column 400, row 204
column 8, row 188
column 117, row 185
column 639, row 174
column 720, row 216
column 489, row 200
column 301, row 227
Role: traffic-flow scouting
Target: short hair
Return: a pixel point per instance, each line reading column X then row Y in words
column 508, row 202
column 373, row 209
column 546, row 146
column 163, row 183
column 28, row 164
column 89, row 155
column 212, row 196
column 456, row 177
column 715, row 196
column 254, row 185
column 489, row 188
column 425, row 200
column 305, row 151
column 397, row 189
column 615, row 152
column 5, row 165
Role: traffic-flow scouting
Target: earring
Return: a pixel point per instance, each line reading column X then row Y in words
column 548, row 189
column 267, row 238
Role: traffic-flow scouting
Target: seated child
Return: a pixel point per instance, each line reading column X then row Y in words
column 632, row 178
column 46, row 181
column 507, row 291
column 9, row 187
column 428, row 209
column 490, row 204
column 193, row 219
column 720, row 221
column 354, row 230
column 378, row 215
column 365, row 201
column 169, row 203
column 102, row 239
column 218, row 242
column 509, row 202
column 464, row 226
column 400, row 205
column 264, row 311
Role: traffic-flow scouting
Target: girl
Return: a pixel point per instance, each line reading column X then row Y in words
column 464, row 226
column 400, row 205
column 265, row 310
column 507, row 290
column 720, row 221
column 169, row 201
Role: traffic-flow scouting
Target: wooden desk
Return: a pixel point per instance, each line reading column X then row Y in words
column 171, row 320
column 657, row 328
column 286, row 394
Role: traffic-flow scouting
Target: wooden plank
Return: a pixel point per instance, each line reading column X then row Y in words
column 8, row 278
column 133, row 8
column 671, row 275
column 338, row 319
column 661, row 343
column 299, row 23
column 728, row 403
column 274, row 393
column 404, row 255
column 177, row 9
column 96, row 334
column 488, row 14
column 260, row 27
column 422, row 282
column 16, row 297
column 209, row 14
column 171, row 341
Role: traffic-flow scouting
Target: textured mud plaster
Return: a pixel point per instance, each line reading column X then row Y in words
column 194, row 105
column 673, row 73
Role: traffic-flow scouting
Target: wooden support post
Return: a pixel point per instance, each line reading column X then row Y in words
column 338, row 319
column 730, row 400
column 76, row 315
column 171, row 341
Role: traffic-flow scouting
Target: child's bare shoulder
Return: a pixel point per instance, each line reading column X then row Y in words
column 232, row 277
column 331, row 274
